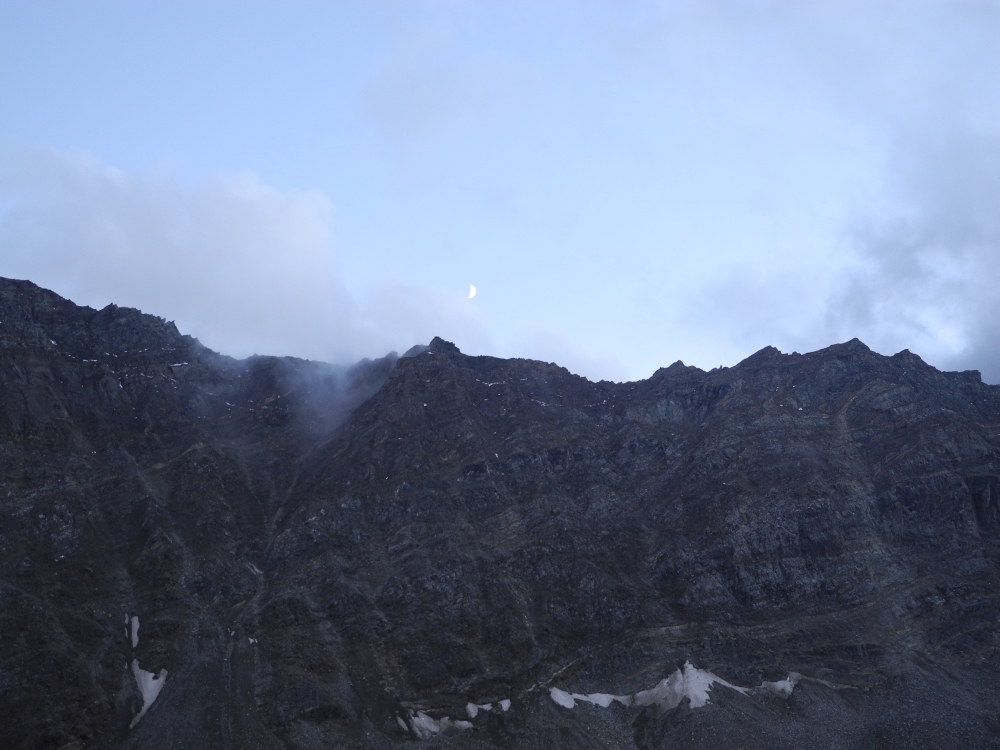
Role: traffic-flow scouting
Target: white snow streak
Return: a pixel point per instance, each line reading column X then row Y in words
column 688, row 682
column 473, row 709
column 783, row 688
column 562, row 698
column 424, row 726
column 603, row 700
column 150, row 686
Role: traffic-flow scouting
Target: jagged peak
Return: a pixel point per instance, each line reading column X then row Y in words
column 854, row 346
column 40, row 313
column 438, row 344
column 908, row 356
column 767, row 355
column 677, row 368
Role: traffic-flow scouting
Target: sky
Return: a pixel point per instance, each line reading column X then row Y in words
column 626, row 183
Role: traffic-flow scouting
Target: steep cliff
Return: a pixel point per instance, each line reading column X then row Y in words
column 273, row 553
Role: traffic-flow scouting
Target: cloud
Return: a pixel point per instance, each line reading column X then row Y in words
column 244, row 267
column 921, row 276
column 926, row 279
column 910, row 258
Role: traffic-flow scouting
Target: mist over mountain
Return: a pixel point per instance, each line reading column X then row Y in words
column 438, row 550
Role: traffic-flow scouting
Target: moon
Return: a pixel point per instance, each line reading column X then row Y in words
column 472, row 291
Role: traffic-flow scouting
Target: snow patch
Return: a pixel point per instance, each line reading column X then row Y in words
column 473, row 709
column 603, row 700
column 149, row 684
column 425, row 727
column 562, row 697
column 783, row 688
column 135, row 630
column 688, row 682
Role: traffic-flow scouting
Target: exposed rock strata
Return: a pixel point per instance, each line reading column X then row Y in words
column 323, row 557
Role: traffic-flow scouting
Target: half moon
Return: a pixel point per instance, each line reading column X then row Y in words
column 472, row 291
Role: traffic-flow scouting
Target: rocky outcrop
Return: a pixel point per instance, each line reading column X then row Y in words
column 475, row 552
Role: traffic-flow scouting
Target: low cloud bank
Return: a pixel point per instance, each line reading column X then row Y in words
column 242, row 266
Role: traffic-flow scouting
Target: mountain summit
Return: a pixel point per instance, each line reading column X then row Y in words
column 444, row 550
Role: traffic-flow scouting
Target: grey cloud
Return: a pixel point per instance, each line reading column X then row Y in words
column 927, row 279
column 922, row 276
column 916, row 266
column 244, row 267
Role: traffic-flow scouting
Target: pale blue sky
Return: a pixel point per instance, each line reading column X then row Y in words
column 626, row 183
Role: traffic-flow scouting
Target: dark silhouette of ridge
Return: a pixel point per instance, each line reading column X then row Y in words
column 367, row 557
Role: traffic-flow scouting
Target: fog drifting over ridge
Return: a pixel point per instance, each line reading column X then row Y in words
column 244, row 267
column 249, row 269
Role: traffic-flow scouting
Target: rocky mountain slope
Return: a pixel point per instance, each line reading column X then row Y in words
column 450, row 551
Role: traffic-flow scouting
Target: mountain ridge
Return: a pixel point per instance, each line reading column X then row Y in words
column 352, row 557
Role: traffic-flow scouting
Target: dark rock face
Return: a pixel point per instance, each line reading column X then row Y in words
column 321, row 557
